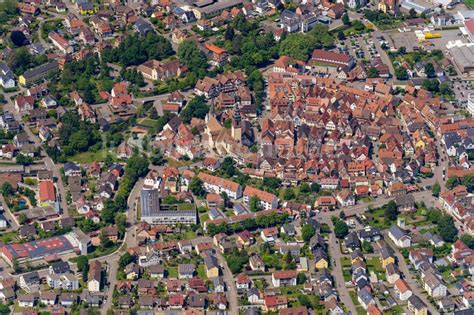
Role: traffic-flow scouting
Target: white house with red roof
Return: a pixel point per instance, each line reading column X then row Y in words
column 284, row 278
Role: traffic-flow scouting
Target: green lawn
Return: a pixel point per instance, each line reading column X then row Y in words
column 378, row 219
column 172, row 272
column 201, row 272
column 204, row 217
column 346, row 262
column 173, row 162
column 8, row 237
column 89, row 157
column 374, row 264
column 188, row 235
column 469, row 3
column 291, row 291
column 150, row 123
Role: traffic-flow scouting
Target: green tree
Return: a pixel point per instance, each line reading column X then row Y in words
column 271, row 183
column 298, row 46
column 289, row 194
column 445, row 89
column 24, row 159
column 412, row 13
column 429, row 70
column 341, row 36
column 340, row 228
column 83, row 266
column 367, row 247
column 7, row 189
column 345, row 19
column 305, row 301
column 229, row 33
column 157, row 158
column 196, row 187
column 236, row 261
column 136, row 49
column 301, row 278
column 452, row 182
column 154, row 113
column 4, row 309
column 126, row 259
column 401, row 73
column 22, row 219
column 228, row 167
column 468, row 240
column 372, row 72
column 191, row 56
column 304, row 188
column 307, row 232
column 447, row 229
column 358, row 26
column 436, row 189
column 197, row 107
column 254, row 204
column 431, row 85
column 18, row 38
column 391, row 211
column 315, row 187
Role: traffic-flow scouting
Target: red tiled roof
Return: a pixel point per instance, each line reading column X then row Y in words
column 46, row 191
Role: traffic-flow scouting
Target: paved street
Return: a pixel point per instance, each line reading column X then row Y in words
column 334, row 248
column 336, row 255
column 409, row 277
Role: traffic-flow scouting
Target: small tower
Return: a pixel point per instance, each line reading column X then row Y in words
column 401, row 223
column 236, row 125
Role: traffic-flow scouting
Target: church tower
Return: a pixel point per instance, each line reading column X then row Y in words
column 236, row 125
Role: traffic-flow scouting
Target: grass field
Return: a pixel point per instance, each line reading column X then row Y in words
column 469, row 3
column 172, row 272
column 375, row 265
column 89, row 157
column 201, row 272
column 150, row 123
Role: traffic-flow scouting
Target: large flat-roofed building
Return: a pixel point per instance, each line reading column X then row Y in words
column 36, row 250
column 207, row 8
column 153, row 212
column 461, row 55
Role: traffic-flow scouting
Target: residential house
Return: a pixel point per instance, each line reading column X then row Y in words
column 402, row 290
column 399, row 237
column 284, row 278
column 95, row 276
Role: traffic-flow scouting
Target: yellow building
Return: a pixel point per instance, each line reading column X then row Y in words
column 86, row 8
column 417, row 306
column 212, row 266
column 388, row 6
column 321, row 263
column 386, row 256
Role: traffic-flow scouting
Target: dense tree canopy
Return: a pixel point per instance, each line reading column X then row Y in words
column 340, row 227
column 300, row 46
column 196, row 186
column 197, row 107
column 191, row 56
column 77, row 135
column 136, row 49
column 391, row 211
column 307, row 232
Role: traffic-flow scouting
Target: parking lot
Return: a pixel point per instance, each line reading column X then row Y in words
column 360, row 46
column 408, row 39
